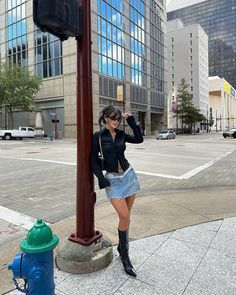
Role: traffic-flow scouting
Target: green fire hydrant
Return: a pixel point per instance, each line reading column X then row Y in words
column 35, row 265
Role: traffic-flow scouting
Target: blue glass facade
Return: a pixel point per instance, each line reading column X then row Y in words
column 48, row 55
column 218, row 19
column 137, row 43
column 111, row 38
column 16, row 32
column 157, row 55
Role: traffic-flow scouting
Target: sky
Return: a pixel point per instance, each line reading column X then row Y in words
column 176, row 4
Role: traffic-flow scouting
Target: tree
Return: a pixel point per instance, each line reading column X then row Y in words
column 185, row 110
column 17, row 88
column 192, row 116
column 184, row 101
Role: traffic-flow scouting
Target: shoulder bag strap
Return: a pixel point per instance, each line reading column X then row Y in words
column 100, row 144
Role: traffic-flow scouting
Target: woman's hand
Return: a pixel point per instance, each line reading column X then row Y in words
column 126, row 115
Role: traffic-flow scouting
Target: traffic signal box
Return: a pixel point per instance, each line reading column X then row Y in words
column 59, row 17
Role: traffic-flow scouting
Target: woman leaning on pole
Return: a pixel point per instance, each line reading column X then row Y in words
column 120, row 181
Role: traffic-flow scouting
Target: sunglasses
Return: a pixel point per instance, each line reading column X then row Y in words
column 116, row 117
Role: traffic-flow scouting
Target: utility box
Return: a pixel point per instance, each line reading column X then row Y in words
column 58, row 17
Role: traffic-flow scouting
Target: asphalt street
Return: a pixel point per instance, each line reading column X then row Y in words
column 37, row 177
column 187, row 181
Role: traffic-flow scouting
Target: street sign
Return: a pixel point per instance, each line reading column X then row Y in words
column 120, row 93
column 55, row 121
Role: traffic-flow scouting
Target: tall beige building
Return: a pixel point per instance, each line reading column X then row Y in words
column 128, row 49
column 187, row 59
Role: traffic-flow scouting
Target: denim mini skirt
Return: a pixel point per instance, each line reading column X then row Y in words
column 123, row 184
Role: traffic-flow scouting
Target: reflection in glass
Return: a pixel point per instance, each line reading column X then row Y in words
column 157, row 48
column 48, row 55
column 137, row 42
column 16, row 30
column 58, row 66
column 111, row 20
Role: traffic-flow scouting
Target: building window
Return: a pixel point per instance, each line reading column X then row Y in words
column 137, row 42
column 190, row 35
column 111, row 38
column 16, row 32
column 48, row 54
column 157, row 47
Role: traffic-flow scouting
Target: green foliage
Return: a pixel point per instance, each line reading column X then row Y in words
column 17, row 88
column 186, row 112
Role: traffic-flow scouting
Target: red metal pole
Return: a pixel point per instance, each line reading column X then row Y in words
column 86, row 197
column 55, row 136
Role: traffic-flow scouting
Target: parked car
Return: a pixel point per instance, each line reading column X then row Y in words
column 22, row 132
column 230, row 133
column 166, row 134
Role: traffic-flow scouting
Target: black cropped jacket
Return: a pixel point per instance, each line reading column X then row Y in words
column 113, row 151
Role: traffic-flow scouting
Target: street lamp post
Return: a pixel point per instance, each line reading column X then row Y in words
column 85, row 250
column 86, row 197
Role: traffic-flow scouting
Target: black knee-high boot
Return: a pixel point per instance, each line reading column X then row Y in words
column 123, row 249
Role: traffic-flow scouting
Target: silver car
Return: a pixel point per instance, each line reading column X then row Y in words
column 166, row 134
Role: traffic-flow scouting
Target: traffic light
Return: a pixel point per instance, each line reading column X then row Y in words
column 58, row 17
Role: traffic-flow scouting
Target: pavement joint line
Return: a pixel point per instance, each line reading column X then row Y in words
column 200, row 262
column 17, row 218
column 188, row 209
column 42, row 160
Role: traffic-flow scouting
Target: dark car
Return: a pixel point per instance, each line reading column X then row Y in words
column 230, row 133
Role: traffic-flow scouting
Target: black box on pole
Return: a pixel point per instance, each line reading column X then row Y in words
column 59, row 17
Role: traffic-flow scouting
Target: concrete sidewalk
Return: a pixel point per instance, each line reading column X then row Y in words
column 182, row 242
column 199, row 259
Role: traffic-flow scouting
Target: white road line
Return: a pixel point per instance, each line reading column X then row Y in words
column 192, row 172
column 159, row 175
column 187, row 175
column 17, row 218
column 48, row 161
column 205, row 166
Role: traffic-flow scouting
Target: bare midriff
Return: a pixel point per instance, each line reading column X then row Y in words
column 120, row 170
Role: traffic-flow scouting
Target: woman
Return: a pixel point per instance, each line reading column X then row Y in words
column 120, row 180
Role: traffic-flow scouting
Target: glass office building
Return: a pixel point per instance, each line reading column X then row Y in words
column 128, row 50
column 218, row 19
column 131, row 45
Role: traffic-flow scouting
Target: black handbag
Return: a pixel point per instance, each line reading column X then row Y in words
column 100, row 156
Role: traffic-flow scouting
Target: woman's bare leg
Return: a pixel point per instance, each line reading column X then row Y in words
column 130, row 201
column 122, row 210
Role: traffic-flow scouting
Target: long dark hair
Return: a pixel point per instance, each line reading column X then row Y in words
column 108, row 112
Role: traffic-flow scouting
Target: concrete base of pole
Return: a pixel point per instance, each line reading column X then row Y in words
column 72, row 257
